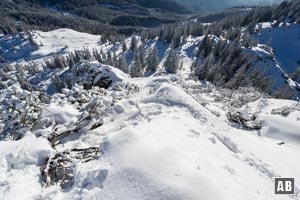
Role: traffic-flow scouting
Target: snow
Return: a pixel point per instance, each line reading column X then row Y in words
column 279, row 49
column 286, row 44
column 63, row 118
column 19, row 167
column 168, row 148
column 103, row 71
column 281, row 128
column 160, row 139
column 93, row 73
column 162, row 145
column 60, row 41
column 266, row 25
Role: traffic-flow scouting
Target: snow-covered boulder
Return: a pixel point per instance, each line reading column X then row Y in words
column 93, row 73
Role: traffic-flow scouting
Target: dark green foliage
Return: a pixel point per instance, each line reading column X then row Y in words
column 172, row 64
column 93, row 16
column 224, row 62
column 133, row 45
column 152, row 60
column 227, row 65
column 122, row 64
column 142, row 21
column 167, row 5
column 136, row 69
column 284, row 92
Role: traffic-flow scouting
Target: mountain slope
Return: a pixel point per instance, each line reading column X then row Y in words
column 90, row 15
column 183, row 111
column 19, row 49
column 221, row 4
column 281, row 39
column 159, row 139
column 168, row 5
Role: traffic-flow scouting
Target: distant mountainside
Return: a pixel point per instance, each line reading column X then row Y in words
column 93, row 16
column 222, row 4
column 230, row 51
column 77, row 126
column 103, row 16
column 169, row 5
column 126, row 6
column 233, row 52
column 187, row 110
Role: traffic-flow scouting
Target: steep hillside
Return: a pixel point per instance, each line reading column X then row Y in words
column 285, row 42
column 185, row 111
column 265, row 70
column 168, row 5
column 221, row 4
column 90, row 15
column 147, row 138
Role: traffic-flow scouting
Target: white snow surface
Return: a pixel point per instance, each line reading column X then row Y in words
column 103, row 71
column 60, row 41
column 161, row 143
column 285, row 41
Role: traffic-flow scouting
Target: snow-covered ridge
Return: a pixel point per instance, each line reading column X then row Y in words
column 110, row 136
column 157, row 137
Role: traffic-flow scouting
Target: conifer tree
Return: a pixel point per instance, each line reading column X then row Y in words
column 136, row 69
column 152, row 60
column 141, row 55
column 171, row 64
column 122, row 65
column 133, row 46
column 124, row 46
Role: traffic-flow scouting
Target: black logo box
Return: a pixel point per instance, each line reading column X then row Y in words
column 284, row 186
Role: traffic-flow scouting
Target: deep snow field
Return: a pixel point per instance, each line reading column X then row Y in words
column 159, row 142
column 158, row 137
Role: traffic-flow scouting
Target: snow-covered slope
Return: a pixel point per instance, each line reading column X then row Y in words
column 156, row 137
column 285, row 41
column 61, row 41
column 17, row 49
column 277, row 57
column 158, row 140
column 280, row 49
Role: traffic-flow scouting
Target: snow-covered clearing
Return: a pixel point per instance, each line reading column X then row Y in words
column 59, row 41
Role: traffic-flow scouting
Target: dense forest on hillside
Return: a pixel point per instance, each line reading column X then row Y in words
column 149, row 99
column 221, row 57
column 87, row 16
